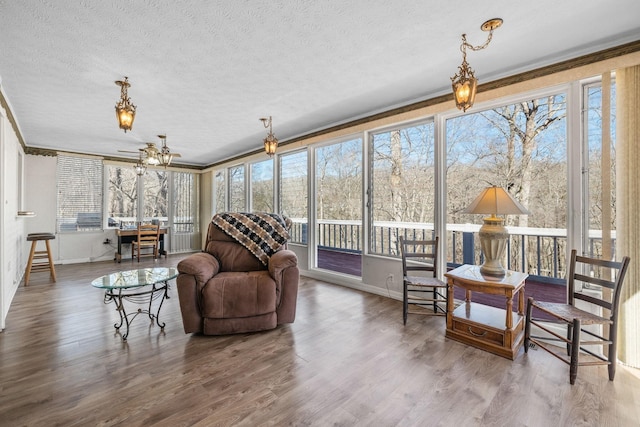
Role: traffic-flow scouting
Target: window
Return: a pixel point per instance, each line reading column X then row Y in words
column 339, row 205
column 236, row 189
column 156, row 196
column 124, row 204
column 122, row 196
column 521, row 147
column 79, row 183
column 401, row 186
column 293, row 193
column 220, row 193
column 262, row 186
column 170, row 198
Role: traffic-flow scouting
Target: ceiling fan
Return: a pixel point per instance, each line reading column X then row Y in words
column 150, row 153
column 154, row 156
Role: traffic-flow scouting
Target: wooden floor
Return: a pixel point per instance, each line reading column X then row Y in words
column 346, row 361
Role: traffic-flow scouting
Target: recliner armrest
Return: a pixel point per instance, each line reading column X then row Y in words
column 283, row 267
column 280, row 261
column 201, row 265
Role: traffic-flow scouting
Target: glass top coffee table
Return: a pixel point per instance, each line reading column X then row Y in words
column 141, row 286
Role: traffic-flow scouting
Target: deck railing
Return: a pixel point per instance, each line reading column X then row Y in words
column 539, row 252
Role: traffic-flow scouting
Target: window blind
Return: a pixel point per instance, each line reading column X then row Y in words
column 185, row 206
column 79, row 201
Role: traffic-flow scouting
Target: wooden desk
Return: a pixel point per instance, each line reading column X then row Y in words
column 128, row 235
column 496, row 330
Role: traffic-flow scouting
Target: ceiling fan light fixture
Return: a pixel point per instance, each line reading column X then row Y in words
column 140, row 167
column 152, row 159
column 165, row 156
column 125, row 110
column 165, row 159
column 151, row 153
column 270, row 142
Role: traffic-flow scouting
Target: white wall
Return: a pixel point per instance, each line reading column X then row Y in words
column 12, row 227
column 40, row 195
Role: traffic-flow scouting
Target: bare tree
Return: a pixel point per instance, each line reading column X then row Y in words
column 521, row 126
column 339, row 181
column 122, row 192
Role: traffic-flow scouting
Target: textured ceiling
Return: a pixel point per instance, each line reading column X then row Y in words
column 204, row 72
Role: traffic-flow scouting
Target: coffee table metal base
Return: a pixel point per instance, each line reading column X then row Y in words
column 158, row 290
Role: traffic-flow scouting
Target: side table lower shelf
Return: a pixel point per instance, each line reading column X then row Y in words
column 483, row 327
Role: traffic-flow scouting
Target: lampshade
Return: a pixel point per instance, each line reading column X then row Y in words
column 125, row 118
column 270, row 145
column 493, row 234
column 464, row 90
column 496, row 201
column 152, row 153
column 152, row 158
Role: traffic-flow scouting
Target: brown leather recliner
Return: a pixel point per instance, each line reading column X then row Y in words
column 225, row 289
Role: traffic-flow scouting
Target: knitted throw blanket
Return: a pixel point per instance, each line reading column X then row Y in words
column 261, row 233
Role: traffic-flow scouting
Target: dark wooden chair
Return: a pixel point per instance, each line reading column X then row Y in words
column 594, row 284
column 148, row 238
column 421, row 287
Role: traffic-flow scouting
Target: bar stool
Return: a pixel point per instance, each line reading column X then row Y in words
column 34, row 238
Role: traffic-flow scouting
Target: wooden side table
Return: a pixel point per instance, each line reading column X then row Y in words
column 496, row 330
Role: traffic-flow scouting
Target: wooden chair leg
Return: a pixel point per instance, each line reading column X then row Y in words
column 575, row 349
column 405, row 305
column 527, row 326
column 612, row 353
